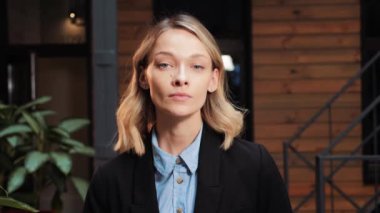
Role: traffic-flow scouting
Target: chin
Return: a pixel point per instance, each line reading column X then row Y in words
column 182, row 112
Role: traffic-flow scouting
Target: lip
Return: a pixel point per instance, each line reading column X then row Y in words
column 179, row 96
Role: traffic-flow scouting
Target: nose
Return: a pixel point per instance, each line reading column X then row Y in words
column 180, row 77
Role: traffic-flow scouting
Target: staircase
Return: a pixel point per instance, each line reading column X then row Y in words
column 331, row 179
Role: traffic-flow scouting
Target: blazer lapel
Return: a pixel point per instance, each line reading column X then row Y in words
column 144, row 193
column 209, row 186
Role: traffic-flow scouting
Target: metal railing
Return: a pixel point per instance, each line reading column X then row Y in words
column 326, row 155
column 314, row 166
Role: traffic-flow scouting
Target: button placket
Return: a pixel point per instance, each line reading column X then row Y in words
column 179, row 180
column 179, row 187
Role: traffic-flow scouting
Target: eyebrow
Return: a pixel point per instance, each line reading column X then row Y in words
column 163, row 53
column 196, row 55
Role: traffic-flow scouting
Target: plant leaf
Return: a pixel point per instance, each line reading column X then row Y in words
column 73, row 124
column 14, row 141
column 15, row 129
column 31, row 121
column 40, row 100
column 62, row 161
column 72, row 142
column 40, row 115
column 81, row 185
column 34, row 160
column 3, row 106
column 10, row 202
column 44, row 113
column 16, row 179
column 86, row 150
column 61, row 132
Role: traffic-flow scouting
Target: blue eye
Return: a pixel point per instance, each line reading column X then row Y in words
column 198, row 67
column 163, row 66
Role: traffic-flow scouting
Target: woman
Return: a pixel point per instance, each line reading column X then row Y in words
column 177, row 135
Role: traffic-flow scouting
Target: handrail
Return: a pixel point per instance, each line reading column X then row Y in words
column 333, row 99
column 365, row 141
column 326, row 155
column 356, row 121
column 321, row 178
column 289, row 147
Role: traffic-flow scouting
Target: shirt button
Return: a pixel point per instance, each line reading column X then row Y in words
column 179, row 181
column 178, row 160
column 179, row 210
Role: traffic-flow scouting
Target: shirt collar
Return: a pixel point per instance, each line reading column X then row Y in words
column 165, row 162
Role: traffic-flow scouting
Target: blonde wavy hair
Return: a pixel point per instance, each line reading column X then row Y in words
column 136, row 115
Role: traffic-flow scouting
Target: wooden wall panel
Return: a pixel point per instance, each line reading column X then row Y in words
column 303, row 86
column 302, row 2
column 295, row 12
column 296, row 101
column 304, row 51
column 278, row 131
column 134, row 17
column 130, row 16
column 273, row 57
column 301, row 115
column 134, row 5
column 305, row 71
column 131, row 31
column 300, row 42
column 310, row 145
column 306, row 27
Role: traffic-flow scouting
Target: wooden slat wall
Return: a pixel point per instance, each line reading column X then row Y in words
column 134, row 17
column 304, row 51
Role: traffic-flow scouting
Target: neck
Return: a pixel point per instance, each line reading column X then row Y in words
column 174, row 135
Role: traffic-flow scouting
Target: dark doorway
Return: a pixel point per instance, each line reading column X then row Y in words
column 370, row 23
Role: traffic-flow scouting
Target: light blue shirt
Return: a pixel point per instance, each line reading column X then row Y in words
column 176, row 177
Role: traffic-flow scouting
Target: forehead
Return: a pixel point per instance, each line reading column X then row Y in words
column 180, row 42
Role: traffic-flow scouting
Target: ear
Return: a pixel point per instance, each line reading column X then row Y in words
column 214, row 81
column 143, row 81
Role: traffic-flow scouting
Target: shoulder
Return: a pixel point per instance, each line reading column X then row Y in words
column 122, row 160
column 107, row 182
column 246, row 149
column 244, row 155
column 244, row 146
column 254, row 162
column 119, row 165
column 250, row 154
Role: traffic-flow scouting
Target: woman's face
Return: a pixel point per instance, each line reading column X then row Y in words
column 179, row 74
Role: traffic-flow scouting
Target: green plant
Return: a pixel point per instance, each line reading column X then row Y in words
column 12, row 203
column 31, row 149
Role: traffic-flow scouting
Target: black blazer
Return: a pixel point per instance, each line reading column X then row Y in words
column 240, row 180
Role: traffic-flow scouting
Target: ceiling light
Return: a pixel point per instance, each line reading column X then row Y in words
column 228, row 63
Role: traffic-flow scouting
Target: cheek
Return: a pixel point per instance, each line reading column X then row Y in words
column 204, row 97
column 156, row 89
column 204, row 83
column 202, row 91
column 155, row 97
